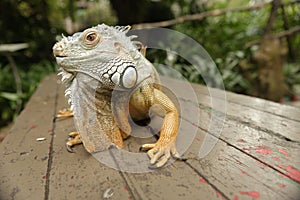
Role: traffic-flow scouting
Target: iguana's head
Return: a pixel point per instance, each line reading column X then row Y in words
column 103, row 52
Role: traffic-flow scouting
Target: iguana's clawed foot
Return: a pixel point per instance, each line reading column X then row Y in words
column 65, row 113
column 75, row 140
column 160, row 153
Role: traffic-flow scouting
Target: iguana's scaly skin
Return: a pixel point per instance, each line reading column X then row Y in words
column 109, row 80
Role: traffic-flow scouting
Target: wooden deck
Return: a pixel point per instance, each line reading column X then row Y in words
column 256, row 157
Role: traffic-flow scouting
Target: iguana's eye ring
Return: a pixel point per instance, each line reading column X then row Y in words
column 90, row 38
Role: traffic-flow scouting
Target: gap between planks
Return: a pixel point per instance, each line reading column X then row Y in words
column 50, row 155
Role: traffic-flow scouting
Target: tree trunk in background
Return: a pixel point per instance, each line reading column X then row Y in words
column 136, row 11
column 129, row 11
column 270, row 59
column 289, row 37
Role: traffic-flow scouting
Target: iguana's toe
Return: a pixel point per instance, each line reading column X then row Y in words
column 160, row 154
column 65, row 113
column 146, row 147
column 75, row 140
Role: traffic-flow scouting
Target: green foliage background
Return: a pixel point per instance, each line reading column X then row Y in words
column 38, row 23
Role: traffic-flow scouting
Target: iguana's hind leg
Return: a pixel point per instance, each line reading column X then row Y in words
column 76, row 140
column 65, row 113
column 75, row 135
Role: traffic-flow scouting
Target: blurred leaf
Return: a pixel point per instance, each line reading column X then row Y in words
column 9, row 96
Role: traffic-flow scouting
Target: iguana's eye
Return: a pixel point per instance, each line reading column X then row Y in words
column 90, row 38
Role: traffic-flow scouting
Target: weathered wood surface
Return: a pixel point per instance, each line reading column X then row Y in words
column 257, row 155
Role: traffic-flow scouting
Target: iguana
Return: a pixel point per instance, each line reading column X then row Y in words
column 108, row 80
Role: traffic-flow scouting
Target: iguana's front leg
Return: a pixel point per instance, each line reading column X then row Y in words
column 161, row 151
column 110, row 127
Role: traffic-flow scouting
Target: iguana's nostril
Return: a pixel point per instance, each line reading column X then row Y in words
column 58, row 50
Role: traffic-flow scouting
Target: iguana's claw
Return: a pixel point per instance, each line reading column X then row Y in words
column 69, row 149
column 160, row 154
column 75, row 139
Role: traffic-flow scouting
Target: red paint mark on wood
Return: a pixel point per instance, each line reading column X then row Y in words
column 50, row 131
column 202, row 180
column 275, row 158
column 218, row 195
column 236, row 197
column 247, row 149
column 125, row 188
column 242, row 140
column 291, row 172
column 243, row 172
column 281, row 185
column 283, row 152
column 45, row 177
column 252, row 194
column 33, row 127
column 198, row 139
column 220, row 158
column 263, row 150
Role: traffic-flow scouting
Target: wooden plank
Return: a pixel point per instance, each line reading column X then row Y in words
column 237, row 173
column 253, row 132
column 280, row 154
column 174, row 182
column 254, row 142
column 286, row 127
column 81, row 176
column 239, row 176
column 276, row 125
column 24, row 160
column 282, row 110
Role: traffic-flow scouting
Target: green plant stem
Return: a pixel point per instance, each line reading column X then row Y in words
column 18, row 81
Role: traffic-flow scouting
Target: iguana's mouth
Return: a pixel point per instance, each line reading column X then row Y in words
column 60, row 56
